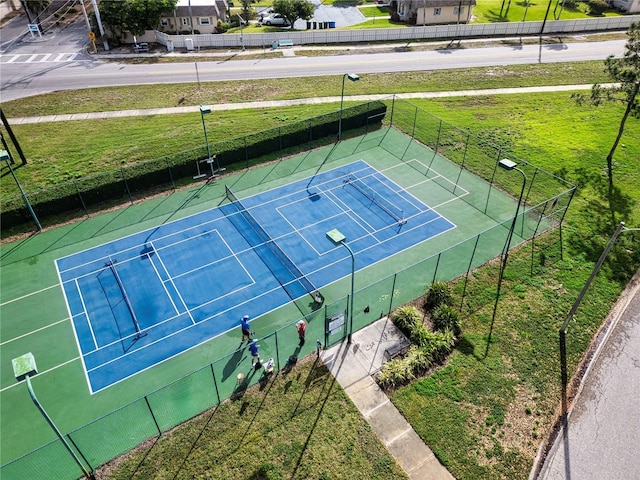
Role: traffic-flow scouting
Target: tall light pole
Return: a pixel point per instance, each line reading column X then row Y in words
column 204, row 110
column 241, row 37
column 5, row 157
column 354, row 78
column 24, row 367
column 507, row 165
column 337, row 237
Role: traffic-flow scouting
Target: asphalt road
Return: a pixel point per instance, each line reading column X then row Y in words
column 602, row 437
column 51, row 64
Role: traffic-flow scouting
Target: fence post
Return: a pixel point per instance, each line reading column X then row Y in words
column 466, row 277
column 435, row 272
column 91, row 469
column 215, row 383
column 393, row 289
column 146, row 399
column 84, row 206
column 246, row 152
column 173, row 184
column 464, row 158
column 126, row 185
column 277, row 351
column 495, row 167
column 435, row 150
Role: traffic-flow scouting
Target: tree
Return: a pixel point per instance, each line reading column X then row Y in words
column 33, row 9
column 134, row 16
column 625, row 72
column 292, row 10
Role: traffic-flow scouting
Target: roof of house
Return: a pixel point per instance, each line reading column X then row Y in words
column 202, row 7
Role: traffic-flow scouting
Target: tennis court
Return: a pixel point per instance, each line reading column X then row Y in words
column 140, row 300
column 133, row 314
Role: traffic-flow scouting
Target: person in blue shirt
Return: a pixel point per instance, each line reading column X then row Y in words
column 255, row 356
column 246, row 329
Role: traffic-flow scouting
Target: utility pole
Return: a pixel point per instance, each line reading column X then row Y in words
column 97, row 12
column 13, row 138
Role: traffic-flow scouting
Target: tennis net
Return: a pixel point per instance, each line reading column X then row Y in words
column 274, row 248
column 385, row 205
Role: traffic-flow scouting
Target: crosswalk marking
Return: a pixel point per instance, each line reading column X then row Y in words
column 40, row 58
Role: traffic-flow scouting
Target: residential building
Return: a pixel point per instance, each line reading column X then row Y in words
column 195, row 16
column 432, row 12
column 627, row 6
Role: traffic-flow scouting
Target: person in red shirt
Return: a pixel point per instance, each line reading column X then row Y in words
column 301, row 327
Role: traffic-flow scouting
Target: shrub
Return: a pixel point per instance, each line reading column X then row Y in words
column 405, row 318
column 597, row 7
column 396, row 372
column 439, row 293
column 419, row 360
column 439, row 344
column 446, row 317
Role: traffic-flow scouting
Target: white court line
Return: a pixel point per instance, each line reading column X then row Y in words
column 184, row 304
column 29, row 294
column 370, row 229
column 139, row 245
column 86, row 314
column 42, row 373
column 235, row 255
column 162, row 282
column 33, row 331
column 177, row 332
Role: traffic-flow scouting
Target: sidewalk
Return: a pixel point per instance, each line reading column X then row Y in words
column 353, row 365
column 300, row 101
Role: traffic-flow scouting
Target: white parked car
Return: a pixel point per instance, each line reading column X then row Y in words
column 275, row 19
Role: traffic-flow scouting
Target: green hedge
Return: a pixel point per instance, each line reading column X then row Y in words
column 134, row 180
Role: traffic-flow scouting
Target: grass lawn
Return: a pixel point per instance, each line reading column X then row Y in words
column 299, row 425
column 57, row 151
column 375, row 11
column 488, row 11
column 484, row 412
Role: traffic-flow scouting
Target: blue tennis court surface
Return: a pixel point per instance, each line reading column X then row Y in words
column 145, row 298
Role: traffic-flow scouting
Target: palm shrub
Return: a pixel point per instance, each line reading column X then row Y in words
column 439, row 344
column 439, row 293
column 419, row 359
column 396, row 372
column 406, row 318
column 446, row 317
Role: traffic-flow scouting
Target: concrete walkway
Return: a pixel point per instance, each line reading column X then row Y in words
column 352, row 365
column 301, row 101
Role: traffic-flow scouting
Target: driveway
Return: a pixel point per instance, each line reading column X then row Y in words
column 343, row 16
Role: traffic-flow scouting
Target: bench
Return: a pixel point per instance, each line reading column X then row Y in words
column 395, row 350
column 285, row 43
column 141, row 47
